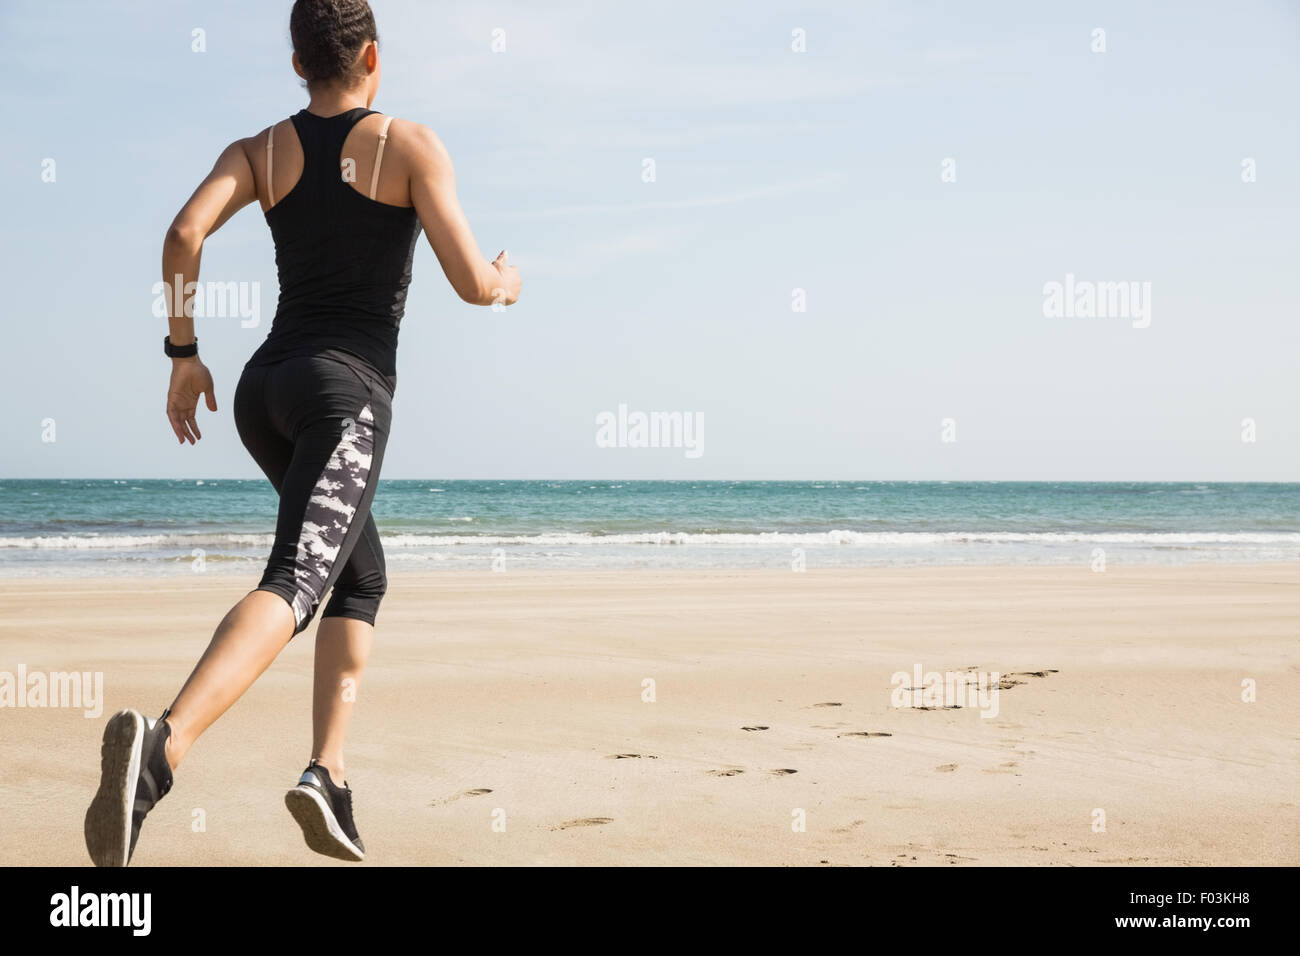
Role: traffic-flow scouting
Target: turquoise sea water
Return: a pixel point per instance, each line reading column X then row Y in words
column 107, row 526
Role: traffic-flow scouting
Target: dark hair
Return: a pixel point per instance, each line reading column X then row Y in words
column 328, row 34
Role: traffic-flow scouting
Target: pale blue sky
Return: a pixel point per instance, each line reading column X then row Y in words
column 775, row 170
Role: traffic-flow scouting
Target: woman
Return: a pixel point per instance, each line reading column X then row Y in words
column 345, row 191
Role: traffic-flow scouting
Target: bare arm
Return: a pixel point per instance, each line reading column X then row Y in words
column 433, row 193
column 226, row 190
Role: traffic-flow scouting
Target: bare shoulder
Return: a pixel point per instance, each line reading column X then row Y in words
column 253, row 146
column 418, row 145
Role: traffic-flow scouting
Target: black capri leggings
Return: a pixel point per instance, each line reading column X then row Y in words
column 318, row 427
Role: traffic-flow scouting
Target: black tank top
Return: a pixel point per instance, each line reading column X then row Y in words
column 344, row 260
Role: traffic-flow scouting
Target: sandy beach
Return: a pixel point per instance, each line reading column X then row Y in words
column 504, row 719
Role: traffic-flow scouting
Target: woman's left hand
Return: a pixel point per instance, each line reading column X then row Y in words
column 190, row 379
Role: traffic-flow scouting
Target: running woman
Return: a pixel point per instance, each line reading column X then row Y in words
column 345, row 191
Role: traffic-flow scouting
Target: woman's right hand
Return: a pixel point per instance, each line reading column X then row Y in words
column 508, row 292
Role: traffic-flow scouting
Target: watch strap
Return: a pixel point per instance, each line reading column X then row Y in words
column 180, row 351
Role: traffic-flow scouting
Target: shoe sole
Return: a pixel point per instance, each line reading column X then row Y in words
column 108, row 821
column 319, row 826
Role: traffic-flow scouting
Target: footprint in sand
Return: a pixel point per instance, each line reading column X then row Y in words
column 782, row 771
column 464, row 793
column 848, row 828
column 631, row 757
column 946, row 768
column 1042, row 673
column 728, row 772
column 945, row 707
column 1005, row 683
column 829, row 703
column 584, row 822
column 1008, row 767
column 756, row 727
column 865, row 733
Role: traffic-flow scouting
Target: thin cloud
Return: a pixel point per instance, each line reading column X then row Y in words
column 589, row 209
column 590, row 258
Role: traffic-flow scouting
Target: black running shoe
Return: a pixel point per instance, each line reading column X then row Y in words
column 324, row 811
column 134, row 776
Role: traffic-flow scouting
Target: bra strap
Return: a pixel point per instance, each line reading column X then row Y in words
column 379, row 155
column 270, row 151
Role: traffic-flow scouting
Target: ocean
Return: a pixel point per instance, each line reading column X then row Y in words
column 130, row 526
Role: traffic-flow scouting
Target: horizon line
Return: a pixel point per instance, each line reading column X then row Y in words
column 972, row 481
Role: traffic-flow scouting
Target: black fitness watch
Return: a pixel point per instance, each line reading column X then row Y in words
column 180, row 351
